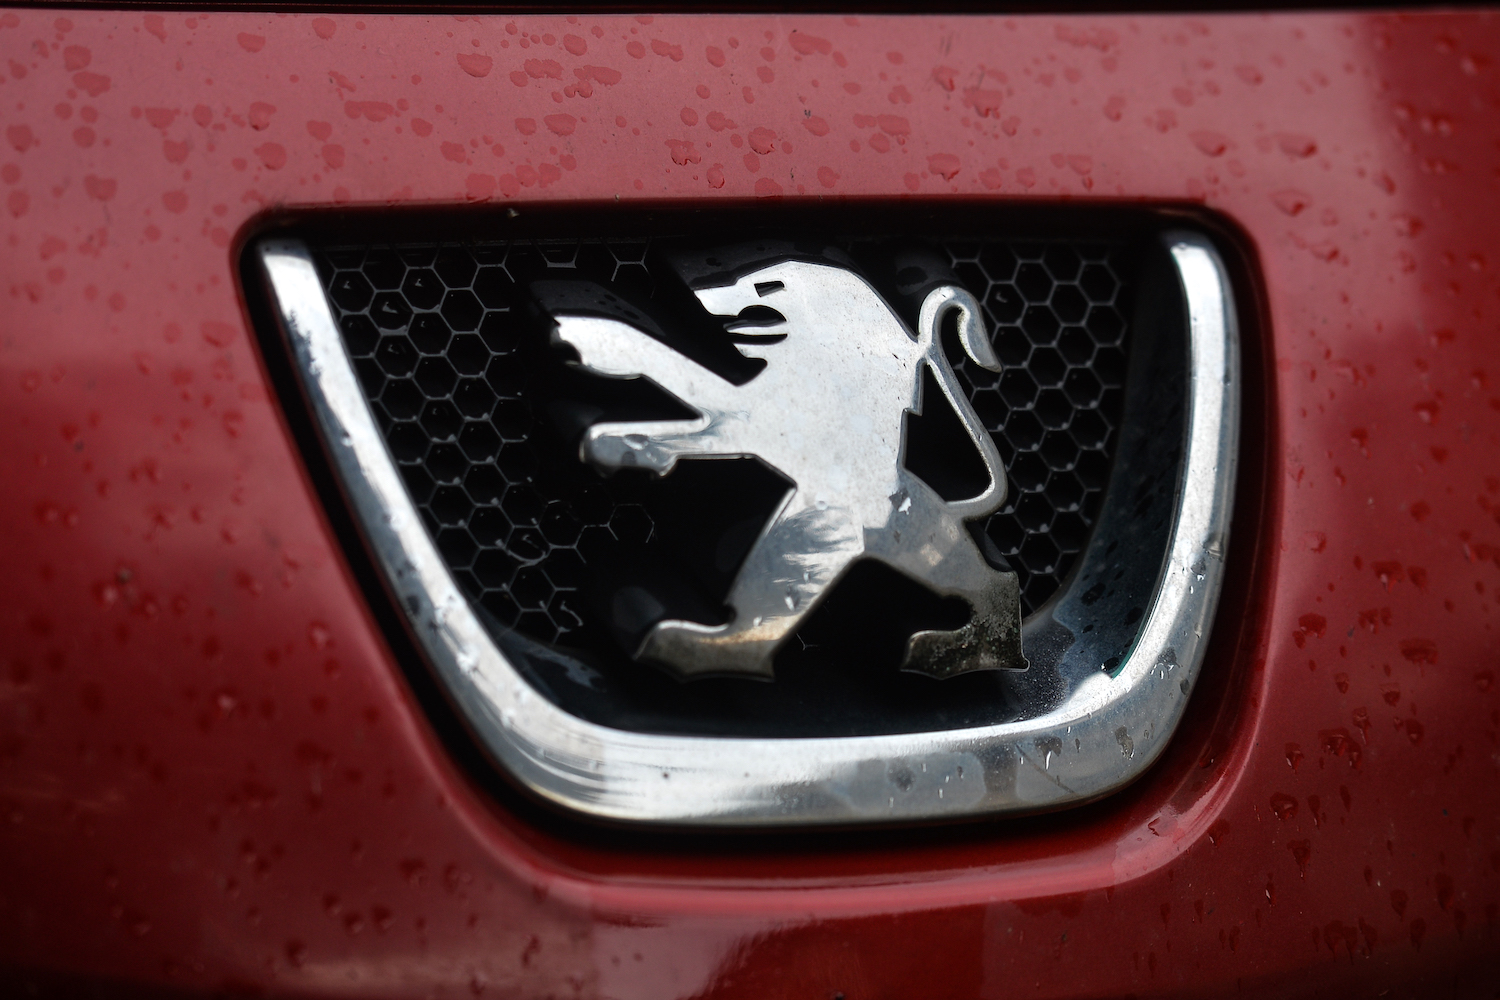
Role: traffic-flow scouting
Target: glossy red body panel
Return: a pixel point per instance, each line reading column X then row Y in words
column 213, row 775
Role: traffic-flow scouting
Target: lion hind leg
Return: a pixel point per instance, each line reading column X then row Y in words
column 691, row 649
column 787, row 572
column 927, row 542
column 991, row 640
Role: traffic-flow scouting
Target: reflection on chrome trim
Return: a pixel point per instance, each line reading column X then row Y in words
column 1098, row 735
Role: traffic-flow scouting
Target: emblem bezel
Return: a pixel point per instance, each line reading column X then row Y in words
column 1100, row 734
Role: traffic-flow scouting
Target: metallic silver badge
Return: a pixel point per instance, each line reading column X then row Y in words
column 1112, row 655
column 827, row 412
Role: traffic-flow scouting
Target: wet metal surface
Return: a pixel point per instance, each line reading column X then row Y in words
column 828, row 413
column 707, row 781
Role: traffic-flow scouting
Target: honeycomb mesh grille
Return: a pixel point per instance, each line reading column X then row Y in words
column 442, row 343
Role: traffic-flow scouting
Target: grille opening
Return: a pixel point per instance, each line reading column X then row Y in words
column 571, row 567
column 938, row 450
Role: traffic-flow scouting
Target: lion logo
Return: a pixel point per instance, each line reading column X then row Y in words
column 828, row 412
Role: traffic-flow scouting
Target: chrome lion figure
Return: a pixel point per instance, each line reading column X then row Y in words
column 827, row 412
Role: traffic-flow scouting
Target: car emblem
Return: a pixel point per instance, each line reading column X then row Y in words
column 809, row 361
column 827, row 412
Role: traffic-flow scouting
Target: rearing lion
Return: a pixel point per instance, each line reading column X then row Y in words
column 827, row 412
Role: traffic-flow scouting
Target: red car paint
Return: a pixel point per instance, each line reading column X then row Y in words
column 213, row 775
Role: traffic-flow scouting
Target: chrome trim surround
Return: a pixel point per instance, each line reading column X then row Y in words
column 1101, row 731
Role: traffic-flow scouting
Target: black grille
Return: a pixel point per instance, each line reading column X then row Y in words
column 481, row 416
